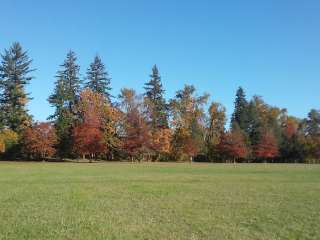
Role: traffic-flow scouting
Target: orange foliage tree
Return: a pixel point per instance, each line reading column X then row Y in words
column 190, row 147
column 162, row 141
column 267, row 147
column 39, row 140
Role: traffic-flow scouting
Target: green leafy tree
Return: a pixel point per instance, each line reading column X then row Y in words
column 155, row 102
column 98, row 79
column 64, row 99
column 14, row 77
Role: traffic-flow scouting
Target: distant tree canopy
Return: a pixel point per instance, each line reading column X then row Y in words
column 89, row 122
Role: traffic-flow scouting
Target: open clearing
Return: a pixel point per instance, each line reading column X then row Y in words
column 159, row 201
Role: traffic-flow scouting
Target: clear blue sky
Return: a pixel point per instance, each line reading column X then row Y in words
column 270, row 47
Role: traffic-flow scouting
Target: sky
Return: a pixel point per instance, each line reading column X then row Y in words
column 269, row 47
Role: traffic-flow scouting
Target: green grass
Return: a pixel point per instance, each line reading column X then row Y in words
column 159, row 201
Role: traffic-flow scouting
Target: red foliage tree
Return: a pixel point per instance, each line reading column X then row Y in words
column 267, row 147
column 39, row 140
column 88, row 137
column 137, row 138
column 88, row 140
column 233, row 145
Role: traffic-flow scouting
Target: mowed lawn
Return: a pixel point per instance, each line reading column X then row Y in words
column 159, row 201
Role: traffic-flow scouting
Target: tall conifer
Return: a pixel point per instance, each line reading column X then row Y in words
column 64, row 99
column 155, row 101
column 14, row 77
column 98, row 79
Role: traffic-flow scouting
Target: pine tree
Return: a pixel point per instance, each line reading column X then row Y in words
column 14, row 76
column 64, row 99
column 155, row 101
column 98, row 79
column 240, row 114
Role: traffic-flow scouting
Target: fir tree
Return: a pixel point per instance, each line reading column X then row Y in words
column 98, row 79
column 64, row 99
column 155, row 101
column 240, row 115
column 14, row 76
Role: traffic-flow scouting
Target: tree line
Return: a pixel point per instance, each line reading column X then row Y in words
column 88, row 122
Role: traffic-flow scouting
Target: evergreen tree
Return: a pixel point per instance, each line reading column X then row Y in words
column 313, row 123
column 14, row 76
column 64, row 99
column 263, row 117
column 98, row 79
column 240, row 114
column 155, row 101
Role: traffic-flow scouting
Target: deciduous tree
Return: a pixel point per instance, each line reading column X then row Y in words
column 39, row 140
column 8, row 140
column 216, row 129
column 267, row 147
column 233, row 145
column 161, row 144
column 137, row 139
column 188, row 119
column 95, row 131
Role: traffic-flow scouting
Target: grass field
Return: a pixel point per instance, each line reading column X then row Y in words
column 159, row 201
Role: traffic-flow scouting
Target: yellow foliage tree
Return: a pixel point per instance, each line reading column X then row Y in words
column 8, row 139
